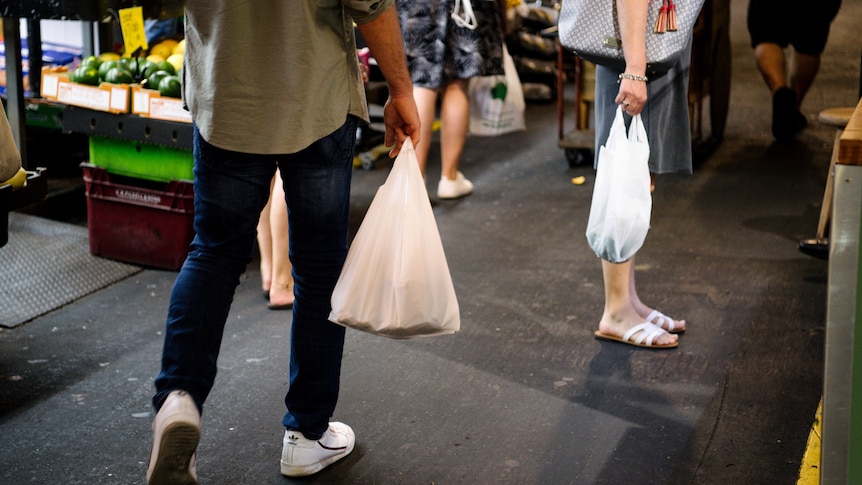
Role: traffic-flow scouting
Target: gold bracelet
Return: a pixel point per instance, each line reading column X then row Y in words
column 633, row 77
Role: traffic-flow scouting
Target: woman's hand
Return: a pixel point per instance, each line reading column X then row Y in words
column 632, row 95
column 633, row 22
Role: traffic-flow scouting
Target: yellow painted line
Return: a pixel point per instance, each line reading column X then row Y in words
column 809, row 470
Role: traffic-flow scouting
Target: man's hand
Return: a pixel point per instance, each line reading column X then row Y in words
column 400, row 115
column 401, row 118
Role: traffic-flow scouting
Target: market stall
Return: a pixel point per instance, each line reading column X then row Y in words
column 139, row 137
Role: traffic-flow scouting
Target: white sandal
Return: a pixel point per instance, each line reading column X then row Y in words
column 641, row 335
column 664, row 322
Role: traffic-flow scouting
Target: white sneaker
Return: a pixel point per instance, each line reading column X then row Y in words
column 301, row 456
column 176, row 432
column 452, row 189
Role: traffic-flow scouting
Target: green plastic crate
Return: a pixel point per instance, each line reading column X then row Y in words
column 141, row 160
column 44, row 115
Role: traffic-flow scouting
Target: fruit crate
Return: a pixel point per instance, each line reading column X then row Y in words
column 141, row 160
column 138, row 221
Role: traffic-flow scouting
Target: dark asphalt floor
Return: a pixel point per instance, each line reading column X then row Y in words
column 524, row 393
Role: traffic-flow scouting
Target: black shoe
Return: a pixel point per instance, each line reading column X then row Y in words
column 787, row 121
column 815, row 248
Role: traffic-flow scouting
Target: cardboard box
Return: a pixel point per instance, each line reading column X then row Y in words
column 112, row 98
column 137, row 221
column 149, row 103
column 50, row 82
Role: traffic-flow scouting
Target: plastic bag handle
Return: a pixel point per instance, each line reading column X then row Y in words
column 618, row 129
column 637, row 131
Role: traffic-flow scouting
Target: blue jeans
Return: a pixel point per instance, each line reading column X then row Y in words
column 231, row 189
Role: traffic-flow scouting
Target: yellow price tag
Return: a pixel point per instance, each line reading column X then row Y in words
column 132, row 26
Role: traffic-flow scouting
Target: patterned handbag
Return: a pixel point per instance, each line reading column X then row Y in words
column 591, row 29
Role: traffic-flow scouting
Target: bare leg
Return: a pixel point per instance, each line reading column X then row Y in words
column 637, row 304
column 787, row 121
column 771, row 63
column 455, row 119
column 281, row 291
column 643, row 310
column 426, row 102
column 264, row 242
column 803, row 70
column 619, row 314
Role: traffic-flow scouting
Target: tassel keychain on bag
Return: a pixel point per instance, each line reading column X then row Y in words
column 666, row 21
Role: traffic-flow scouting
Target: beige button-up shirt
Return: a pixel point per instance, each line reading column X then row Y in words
column 273, row 76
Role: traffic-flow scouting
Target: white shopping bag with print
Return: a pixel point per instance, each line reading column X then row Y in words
column 497, row 102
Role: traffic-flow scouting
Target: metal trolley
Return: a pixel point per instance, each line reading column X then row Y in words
column 708, row 91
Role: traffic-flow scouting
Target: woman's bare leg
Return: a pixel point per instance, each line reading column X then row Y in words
column 619, row 315
column 281, row 291
column 264, row 242
column 454, row 121
column 426, row 102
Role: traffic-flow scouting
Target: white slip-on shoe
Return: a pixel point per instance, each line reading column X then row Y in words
column 301, row 456
column 176, row 432
column 453, row 189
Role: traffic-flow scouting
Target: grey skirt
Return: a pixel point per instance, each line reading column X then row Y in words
column 665, row 115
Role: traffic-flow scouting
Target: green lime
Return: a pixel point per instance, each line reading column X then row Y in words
column 85, row 75
column 155, row 78
column 90, row 61
column 171, row 87
column 130, row 63
column 106, row 66
column 119, row 75
column 167, row 66
column 145, row 68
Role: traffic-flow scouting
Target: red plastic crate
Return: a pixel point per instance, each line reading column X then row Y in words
column 147, row 224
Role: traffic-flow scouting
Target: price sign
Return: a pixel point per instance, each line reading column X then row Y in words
column 132, row 26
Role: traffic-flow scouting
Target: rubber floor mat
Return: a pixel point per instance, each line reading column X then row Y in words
column 47, row 264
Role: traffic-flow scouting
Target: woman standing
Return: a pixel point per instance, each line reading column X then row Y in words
column 662, row 102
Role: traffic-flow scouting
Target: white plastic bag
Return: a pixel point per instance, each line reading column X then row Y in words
column 395, row 281
column 621, row 206
column 497, row 102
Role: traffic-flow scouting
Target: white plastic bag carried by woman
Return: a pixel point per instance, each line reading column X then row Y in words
column 395, row 281
column 622, row 203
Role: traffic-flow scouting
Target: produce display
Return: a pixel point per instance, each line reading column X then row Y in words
column 158, row 70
